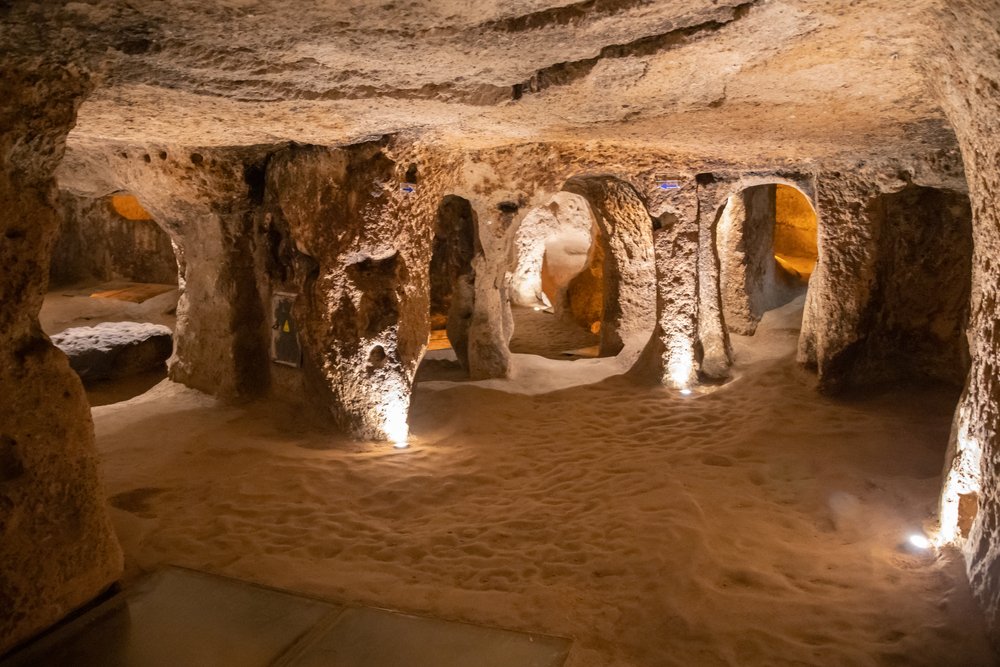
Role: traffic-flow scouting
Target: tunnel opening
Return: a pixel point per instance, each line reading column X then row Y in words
column 558, row 281
column 766, row 240
column 913, row 326
column 114, row 285
column 451, row 278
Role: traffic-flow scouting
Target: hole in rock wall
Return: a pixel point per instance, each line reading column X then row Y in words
column 558, row 281
column 113, row 291
column 766, row 239
column 451, row 289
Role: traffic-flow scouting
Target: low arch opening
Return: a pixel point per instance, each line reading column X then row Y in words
column 767, row 244
column 113, row 292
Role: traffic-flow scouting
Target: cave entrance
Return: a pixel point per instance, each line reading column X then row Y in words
column 558, row 281
column 113, row 292
column 912, row 328
column 766, row 238
column 452, row 280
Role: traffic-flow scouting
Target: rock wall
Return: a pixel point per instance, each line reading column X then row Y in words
column 795, row 232
column 888, row 299
column 57, row 546
column 96, row 242
column 585, row 292
column 963, row 69
column 206, row 201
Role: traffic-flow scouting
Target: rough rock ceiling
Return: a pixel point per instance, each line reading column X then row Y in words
column 744, row 80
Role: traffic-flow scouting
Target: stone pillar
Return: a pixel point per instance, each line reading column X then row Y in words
column 841, row 286
column 712, row 334
column 362, row 252
column 491, row 325
column 57, row 546
column 630, row 271
column 671, row 357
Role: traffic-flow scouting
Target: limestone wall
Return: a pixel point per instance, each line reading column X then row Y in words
column 966, row 60
column 96, row 242
column 57, row 546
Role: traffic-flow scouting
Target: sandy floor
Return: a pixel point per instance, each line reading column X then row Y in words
column 548, row 335
column 760, row 524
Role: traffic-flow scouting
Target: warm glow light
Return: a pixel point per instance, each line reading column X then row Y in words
column 963, row 478
column 396, row 428
column 680, row 362
column 920, row 541
column 685, row 392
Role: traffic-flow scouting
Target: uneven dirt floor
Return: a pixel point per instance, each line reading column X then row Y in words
column 758, row 524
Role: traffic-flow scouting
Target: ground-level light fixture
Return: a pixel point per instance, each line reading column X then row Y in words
column 920, row 541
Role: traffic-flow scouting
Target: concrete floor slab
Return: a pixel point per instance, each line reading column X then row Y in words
column 182, row 617
column 376, row 638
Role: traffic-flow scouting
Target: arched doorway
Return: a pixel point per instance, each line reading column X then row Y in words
column 451, row 301
column 557, row 281
column 613, row 292
column 113, row 293
column 766, row 239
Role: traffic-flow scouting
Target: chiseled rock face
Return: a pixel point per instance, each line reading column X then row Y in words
column 965, row 70
column 356, row 249
column 115, row 349
column 56, row 542
column 888, row 299
column 97, row 242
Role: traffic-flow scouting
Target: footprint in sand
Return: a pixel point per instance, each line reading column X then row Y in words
column 717, row 460
column 137, row 501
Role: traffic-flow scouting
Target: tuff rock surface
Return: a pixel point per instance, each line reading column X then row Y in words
column 114, row 349
column 272, row 142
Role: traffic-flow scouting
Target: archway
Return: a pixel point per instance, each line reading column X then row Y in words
column 613, row 294
column 766, row 240
column 113, row 293
column 451, row 293
column 557, row 280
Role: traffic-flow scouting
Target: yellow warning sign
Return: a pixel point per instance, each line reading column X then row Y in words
column 286, row 328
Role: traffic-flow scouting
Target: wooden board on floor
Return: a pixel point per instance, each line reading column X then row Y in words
column 134, row 292
column 438, row 340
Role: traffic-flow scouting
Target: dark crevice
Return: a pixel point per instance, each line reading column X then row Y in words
column 564, row 15
column 563, row 73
